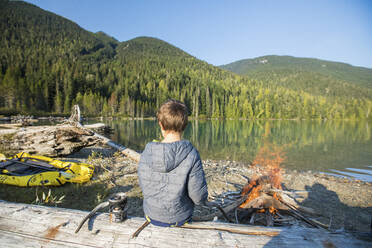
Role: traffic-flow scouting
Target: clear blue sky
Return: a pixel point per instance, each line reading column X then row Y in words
column 221, row 32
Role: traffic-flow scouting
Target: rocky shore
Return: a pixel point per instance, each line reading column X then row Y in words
column 341, row 203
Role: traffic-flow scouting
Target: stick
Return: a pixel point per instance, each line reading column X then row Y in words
column 230, row 229
column 92, row 213
column 320, row 224
column 290, row 201
column 253, row 216
column 269, row 219
column 236, row 216
column 295, row 194
column 223, row 213
column 226, row 209
column 297, row 215
column 145, row 224
column 294, row 212
column 212, row 204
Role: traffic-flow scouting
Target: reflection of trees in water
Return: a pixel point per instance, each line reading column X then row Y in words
column 240, row 140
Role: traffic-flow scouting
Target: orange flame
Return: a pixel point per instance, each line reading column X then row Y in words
column 268, row 162
column 272, row 210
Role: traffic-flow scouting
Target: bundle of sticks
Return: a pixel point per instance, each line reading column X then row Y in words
column 259, row 202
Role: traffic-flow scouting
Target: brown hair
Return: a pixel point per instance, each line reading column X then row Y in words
column 173, row 115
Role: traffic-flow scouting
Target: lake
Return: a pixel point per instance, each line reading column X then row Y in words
column 336, row 147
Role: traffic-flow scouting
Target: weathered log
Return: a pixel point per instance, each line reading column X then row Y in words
column 288, row 200
column 10, row 125
column 99, row 128
column 124, row 150
column 7, row 129
column 58, row 140
column 75, row 121
column 95, row 126
column 23, row 225
column 75, row 114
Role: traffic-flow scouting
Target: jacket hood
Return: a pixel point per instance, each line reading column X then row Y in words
column 167, row 156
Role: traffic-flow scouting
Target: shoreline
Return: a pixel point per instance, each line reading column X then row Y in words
column 344, row 204
column 61, row 117
column 347, row 202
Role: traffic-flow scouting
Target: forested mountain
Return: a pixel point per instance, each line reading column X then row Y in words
column 48, row 63
column 316, row 77
column 286, row 64
column 45, row 58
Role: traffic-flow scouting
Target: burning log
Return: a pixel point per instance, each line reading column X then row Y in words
column 265, row 205
column 265, row 193
column 291, row 202
column 260, row 201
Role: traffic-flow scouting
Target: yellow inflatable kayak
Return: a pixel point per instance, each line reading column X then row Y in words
column 28, row 170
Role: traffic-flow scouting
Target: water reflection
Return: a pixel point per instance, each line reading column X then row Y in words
column 309, row 145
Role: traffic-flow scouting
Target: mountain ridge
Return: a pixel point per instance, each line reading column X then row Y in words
column 361, row 76
column 292, row 56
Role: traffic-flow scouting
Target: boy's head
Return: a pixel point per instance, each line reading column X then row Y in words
column 172, row 115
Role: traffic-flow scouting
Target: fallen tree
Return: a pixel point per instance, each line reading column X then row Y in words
column 58, row 140
column 75, row 119
column 52, row 141
column 38, row 226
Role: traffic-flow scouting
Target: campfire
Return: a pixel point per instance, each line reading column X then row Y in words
column 262, row 194
column 262, row 200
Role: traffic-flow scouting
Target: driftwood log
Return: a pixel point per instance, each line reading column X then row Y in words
column 57, row 140
column 52, row 141
column 75, row 119
column 23, row 225
column 124, row 150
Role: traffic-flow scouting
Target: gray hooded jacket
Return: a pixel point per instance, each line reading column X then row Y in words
column 172, row 179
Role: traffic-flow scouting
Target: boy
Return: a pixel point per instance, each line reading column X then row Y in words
column 170, row 172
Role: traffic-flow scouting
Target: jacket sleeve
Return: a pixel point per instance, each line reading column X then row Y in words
column 197, row 186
